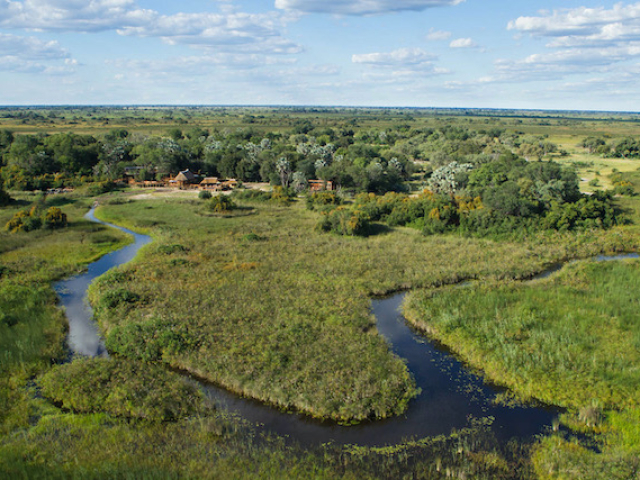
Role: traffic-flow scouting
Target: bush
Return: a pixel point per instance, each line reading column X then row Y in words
column 99, row 188
column 221, row 203
column 24, row 221
column 344, row 221
column 55, row 218
column 122, row 388
column 204, row 195
column 322, row 199
column 252, row 195
column 169, row 249
column 252, row 237
column 282, row 196
column 624, row 188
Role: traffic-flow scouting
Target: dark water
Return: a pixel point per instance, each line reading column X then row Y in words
column 451, row 395
column 84, row 338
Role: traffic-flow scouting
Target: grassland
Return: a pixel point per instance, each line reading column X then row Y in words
column 122, row 418
column 571, row 339
column 265, row 306
column 259, row 302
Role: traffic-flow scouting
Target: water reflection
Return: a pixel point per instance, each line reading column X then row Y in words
column 84, row 338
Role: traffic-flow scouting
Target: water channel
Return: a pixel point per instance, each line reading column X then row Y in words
column 451, row 396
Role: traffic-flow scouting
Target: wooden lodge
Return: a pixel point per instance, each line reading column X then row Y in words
column 229, row 184
column 210, row 183
column 320, row 185
column 185, row 179
column 214, row 183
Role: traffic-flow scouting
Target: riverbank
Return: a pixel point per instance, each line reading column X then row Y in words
column 265, row 306
column 570, row 339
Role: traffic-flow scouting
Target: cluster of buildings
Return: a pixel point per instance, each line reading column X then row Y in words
column 187, row 180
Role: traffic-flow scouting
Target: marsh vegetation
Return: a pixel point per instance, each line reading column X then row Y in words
column 252, row 296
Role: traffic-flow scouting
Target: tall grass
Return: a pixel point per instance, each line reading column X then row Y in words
column 286, row 319
column 32, row 329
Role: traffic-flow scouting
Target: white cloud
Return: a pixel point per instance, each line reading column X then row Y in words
column 255, row 32
column 399, row 68
column 581, row 21
column 463, row 43
column 582, row 41
column 32, row 55
column 196, row 65
column 72, row 15
column 401, row 57
column 31, row 47
column 236, row 30
column 438, row 35
column 361, row 7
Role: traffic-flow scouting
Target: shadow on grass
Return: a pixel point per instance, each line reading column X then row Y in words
column 60, row 201
column 378, row 229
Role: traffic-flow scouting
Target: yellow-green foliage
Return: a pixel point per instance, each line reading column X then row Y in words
column 221, row 203
column 26, row 221
column 54, row 218
column 345, row 221
column 122, row 388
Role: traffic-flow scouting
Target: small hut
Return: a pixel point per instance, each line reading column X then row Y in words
column 184, row 179
column 229, row 184
column 320, row 185
column 210, row 183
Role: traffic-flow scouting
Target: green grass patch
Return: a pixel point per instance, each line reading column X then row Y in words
column 122, row 388
column 286, row 319
column 570, row 340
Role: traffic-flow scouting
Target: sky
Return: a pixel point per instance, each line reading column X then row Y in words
column 558, row 54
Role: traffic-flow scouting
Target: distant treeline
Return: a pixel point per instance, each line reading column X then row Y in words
column 477, row 180
column 361, row 160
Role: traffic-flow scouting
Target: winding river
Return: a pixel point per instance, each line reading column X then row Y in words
column 451, row 396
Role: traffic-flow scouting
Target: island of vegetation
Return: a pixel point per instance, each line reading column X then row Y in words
column 273, row 229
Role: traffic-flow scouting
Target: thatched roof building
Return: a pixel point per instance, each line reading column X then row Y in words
column 186, row 176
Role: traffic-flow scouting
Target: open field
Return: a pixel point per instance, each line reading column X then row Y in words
column 260, row 301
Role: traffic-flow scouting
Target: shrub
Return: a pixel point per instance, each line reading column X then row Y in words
column 122, row 388
column 322, row 199
column 283, row 196
column 623, row 188
column 221, row 203
column 204, row 195
column 172, row 248
column 24, row 221
column 252, row 195
column 55, row 218
column 99, row 188
column 252, row 237
column 344, row 221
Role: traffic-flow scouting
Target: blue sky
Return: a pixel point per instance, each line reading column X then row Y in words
column 561, row 54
